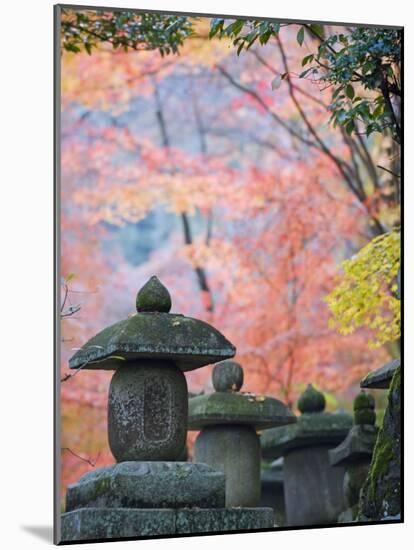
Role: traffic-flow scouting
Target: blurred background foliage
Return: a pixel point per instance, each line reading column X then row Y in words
column 254, row 167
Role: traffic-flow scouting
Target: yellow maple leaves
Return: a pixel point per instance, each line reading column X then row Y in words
column 365, row 293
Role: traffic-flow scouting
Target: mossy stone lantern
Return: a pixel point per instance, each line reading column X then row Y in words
column 228, row 440
column 149, row 351
column 355, row 453
column 313, row 488
column 149, row 491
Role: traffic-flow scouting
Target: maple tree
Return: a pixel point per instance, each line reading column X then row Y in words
column 367, row 292
column 260, row 197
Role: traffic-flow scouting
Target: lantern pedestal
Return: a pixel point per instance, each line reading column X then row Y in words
column 153, row 498
column 91, row 524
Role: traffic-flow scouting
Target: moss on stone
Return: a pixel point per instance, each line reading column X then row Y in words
column 364, row 401
column 101, row 487
column 381, row 378
column 189, row 343
column 153, row 296
column 365, row 416
column 381, row 494
column 310, row 429
column 383, row 454
column 311, row 401
column 227, row 376
column 237, row 408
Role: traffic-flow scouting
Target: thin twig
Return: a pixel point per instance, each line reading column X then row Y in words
column 68, row 376
column 71, row 311
column 65, row 297
column 389, row 171
column 87, row 460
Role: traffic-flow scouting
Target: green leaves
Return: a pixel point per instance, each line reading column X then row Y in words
column 357, row 64
column 86, row 29
column 244, row 32
column 216, row 26
column 301, row 36
column 318, row 30
column 349, row 90
column 350, row 127
column 307, row 59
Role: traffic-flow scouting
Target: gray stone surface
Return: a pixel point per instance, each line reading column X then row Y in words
column 100, row 523
column 381, row 493
column 227, row 376
column 356, row 447
column 346, row 516
column 355, row 477
column 228, row 441
column 147, row 411
column 153, row 296
column 229, row 519
column 381, row 378
column 237, row 408
column 311, row 429
column 273, row 494
column 148, row 485
column 110, row 523
column 313, row 489
column 234, row 450
column 153, row 333
column 355, row 451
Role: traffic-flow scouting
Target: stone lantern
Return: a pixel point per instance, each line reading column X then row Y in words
column 148, row 491
column 380, row 379
column 273, row 492
column 355, row 453
column 228, row 420
column 313, row 489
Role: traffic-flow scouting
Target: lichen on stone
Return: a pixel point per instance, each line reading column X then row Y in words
column 311, row 400
column 381, row 493
column 227, row 376
column 153, row 296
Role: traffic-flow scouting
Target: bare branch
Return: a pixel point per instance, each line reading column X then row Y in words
column 65, row 297
column 87, row 460
column 389, row 171
column 71, row 375
column 258, row 98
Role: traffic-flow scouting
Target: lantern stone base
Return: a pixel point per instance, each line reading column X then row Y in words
column 140, row 499
column 109, row 523
column 148, row 485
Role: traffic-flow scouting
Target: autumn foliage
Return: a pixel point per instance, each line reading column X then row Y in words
column 253, row 219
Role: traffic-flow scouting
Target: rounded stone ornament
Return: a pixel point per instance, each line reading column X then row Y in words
column 227, row 376
column 147, row 411
column 311, row 401
column 364, row 409
column 154, row 297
